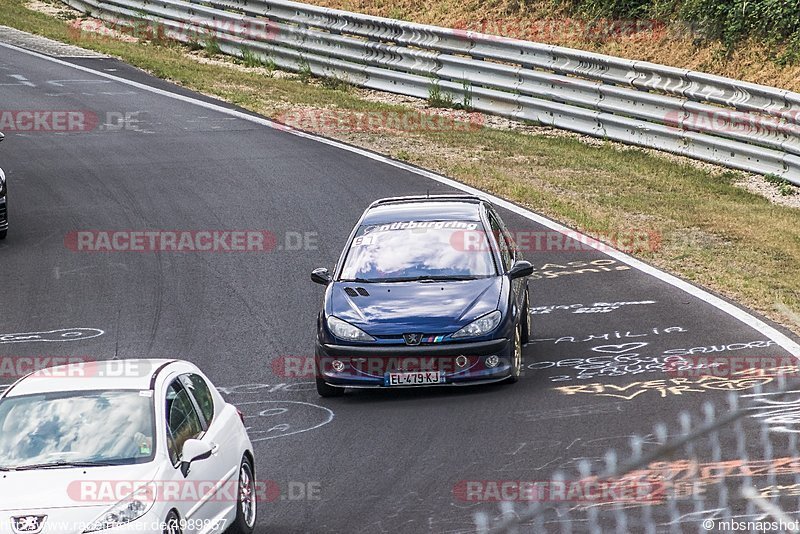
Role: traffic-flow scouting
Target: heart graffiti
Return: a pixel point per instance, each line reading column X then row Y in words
column 619, row 349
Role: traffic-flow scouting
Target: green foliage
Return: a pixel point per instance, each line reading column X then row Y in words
column 194, row 44
column 305, row 71
column 772, row 22
column 785, row 187
column 337, row 83
column 609, row 8
column 250, row 58
column 466, row 103
column 437, row 98
column 212, row 46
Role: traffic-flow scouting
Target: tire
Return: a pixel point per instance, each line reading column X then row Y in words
column 326, row 390
column 526, row 330
column 516, row 357
column 172, row 524
column 3, row 234
column 246, row 502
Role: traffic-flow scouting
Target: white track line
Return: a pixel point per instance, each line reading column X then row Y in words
column 734, row 311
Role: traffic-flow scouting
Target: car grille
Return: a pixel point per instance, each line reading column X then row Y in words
column 378, row 366
column 400, row 341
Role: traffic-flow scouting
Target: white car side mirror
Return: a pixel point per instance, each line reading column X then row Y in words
column 193, row 450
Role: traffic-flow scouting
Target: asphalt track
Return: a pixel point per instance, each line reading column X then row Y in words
column 384, row 461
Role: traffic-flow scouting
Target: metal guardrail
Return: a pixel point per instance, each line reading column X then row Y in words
column 720, row 120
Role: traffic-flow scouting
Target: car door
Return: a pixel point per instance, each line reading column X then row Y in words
column 222, row 427
column 508, row 255
column 196, row 495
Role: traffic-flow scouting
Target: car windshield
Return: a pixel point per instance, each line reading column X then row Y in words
column 85, row 428
column 418, row 250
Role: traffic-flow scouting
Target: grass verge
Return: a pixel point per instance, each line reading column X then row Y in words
column 710, row 231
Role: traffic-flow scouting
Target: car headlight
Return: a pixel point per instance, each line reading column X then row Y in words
column 480, row 326
column 344, row 330
column 128, row 509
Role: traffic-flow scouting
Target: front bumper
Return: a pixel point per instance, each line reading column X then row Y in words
column 75, row 520
column 365, row 366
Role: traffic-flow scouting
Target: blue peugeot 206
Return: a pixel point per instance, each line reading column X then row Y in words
column 428, row 291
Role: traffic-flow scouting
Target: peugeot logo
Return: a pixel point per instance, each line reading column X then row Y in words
column 28, row 523
column 412, row 339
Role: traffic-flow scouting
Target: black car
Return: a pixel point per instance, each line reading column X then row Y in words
column 428, row 291
column 3, row 208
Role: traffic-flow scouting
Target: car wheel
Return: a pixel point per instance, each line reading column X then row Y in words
column 245, row 520
column 172, row 524
column 326, row 390
column 516, row 358
column 3, row 234
column 526, row 331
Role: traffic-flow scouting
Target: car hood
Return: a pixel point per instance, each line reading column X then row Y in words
column 395, row 308
column 45, row 489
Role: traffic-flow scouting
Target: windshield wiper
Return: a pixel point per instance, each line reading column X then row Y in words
column 443, row 278
column 430, row 278
column 421, row 278
column 59, row 464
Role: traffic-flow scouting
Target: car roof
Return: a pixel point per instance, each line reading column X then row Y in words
column 94, row 375
column 424, row 208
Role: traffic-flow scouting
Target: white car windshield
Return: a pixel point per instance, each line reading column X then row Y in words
column 414, row 250
column 76, row 428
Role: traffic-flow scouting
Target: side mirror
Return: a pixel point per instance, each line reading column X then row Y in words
column 193, row 450
column 520, row 269
column 321, row 276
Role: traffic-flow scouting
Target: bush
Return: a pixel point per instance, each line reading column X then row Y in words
column 774, row 22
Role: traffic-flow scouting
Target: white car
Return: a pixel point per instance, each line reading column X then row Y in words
column 123, row 446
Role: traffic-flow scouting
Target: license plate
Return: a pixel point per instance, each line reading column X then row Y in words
column 421, row 378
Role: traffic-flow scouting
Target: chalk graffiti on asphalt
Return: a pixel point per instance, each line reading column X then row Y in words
column 666, row 387
column 688, row 478
column 62, row 334
column 539, row 414
column 555, row 270
column 617, row 365
column 780, row 412
column 610, row 336
column 760, row 344
column 597, row 307
column 272, row 419
column 260, row 389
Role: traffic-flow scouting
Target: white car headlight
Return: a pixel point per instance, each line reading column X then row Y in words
column 344, row 330
column 480, row 326
column 128, row 509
